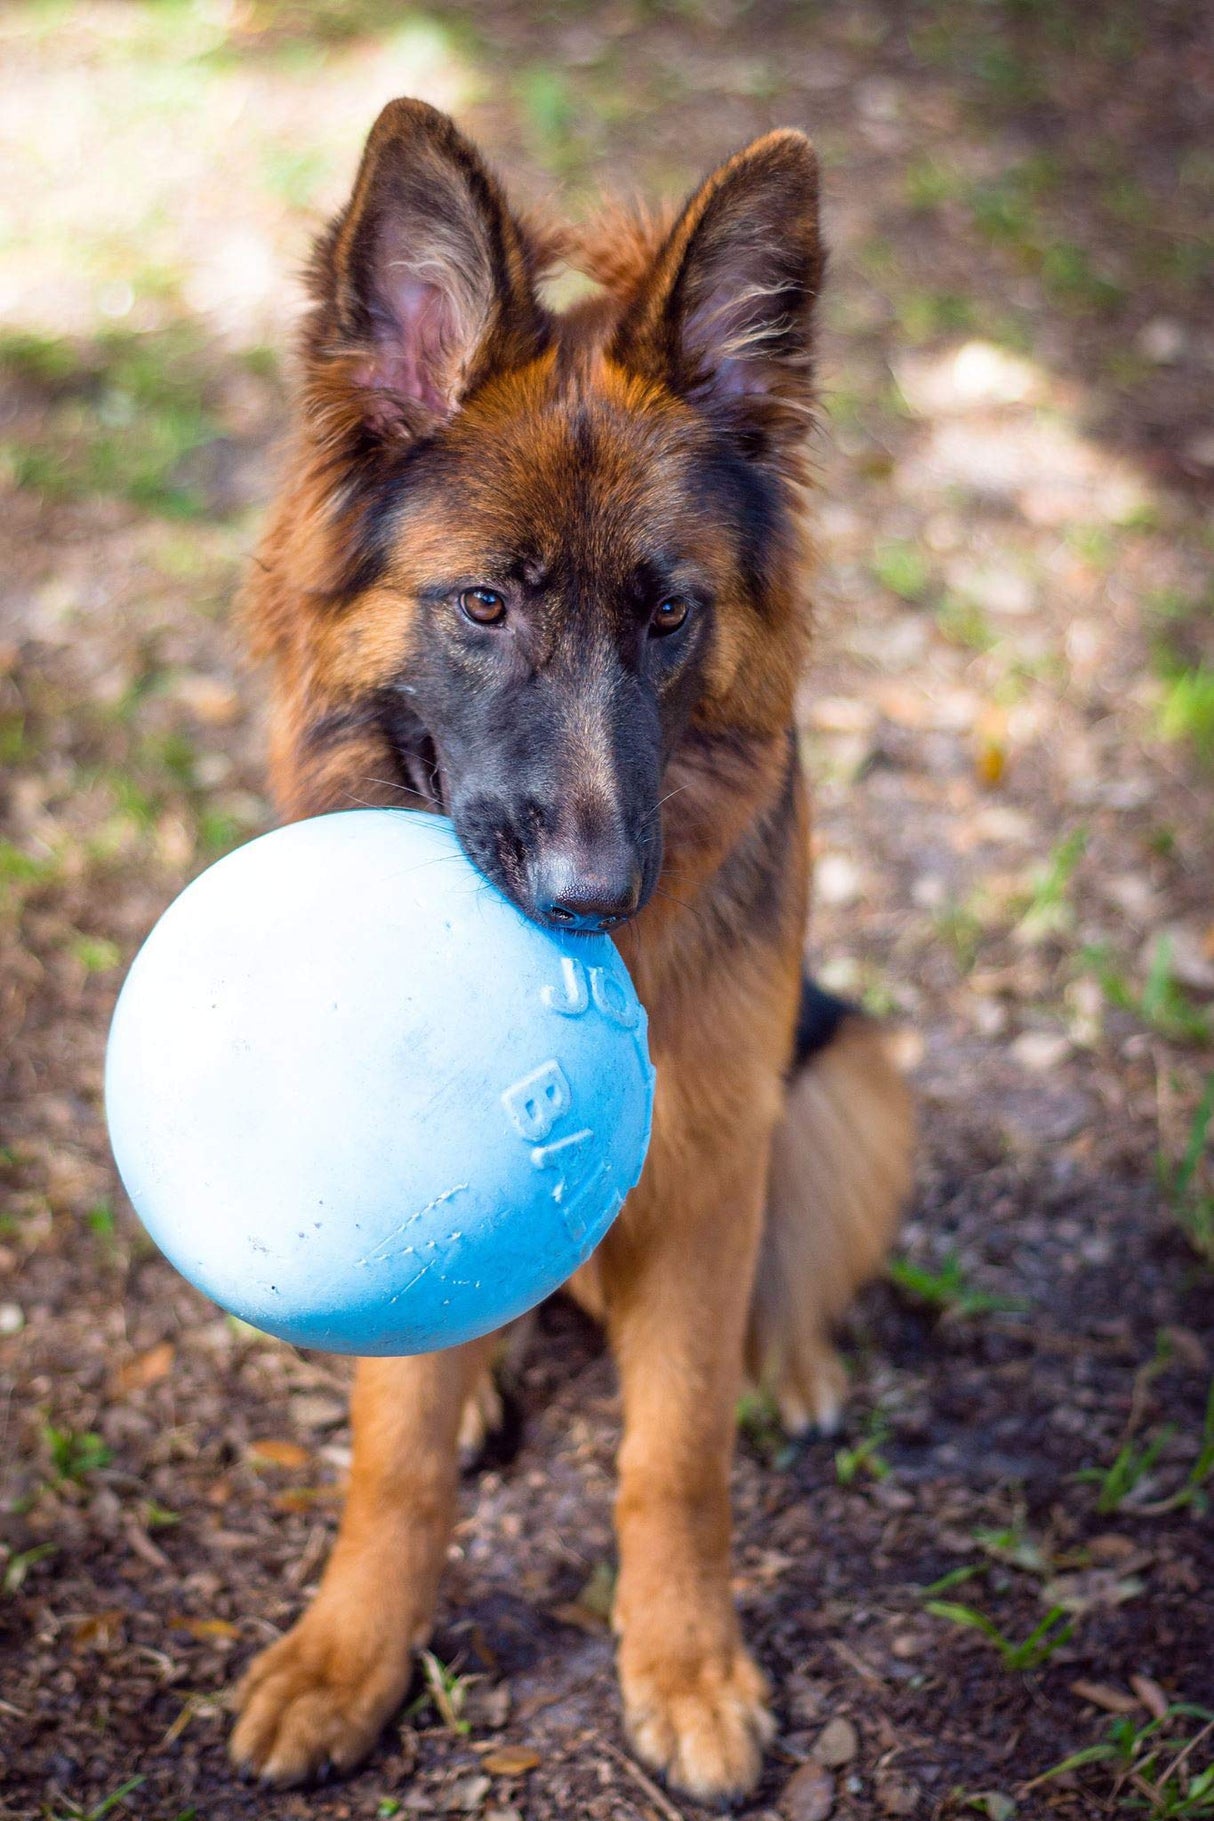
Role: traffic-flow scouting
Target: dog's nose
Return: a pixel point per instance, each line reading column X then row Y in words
column 588, row 900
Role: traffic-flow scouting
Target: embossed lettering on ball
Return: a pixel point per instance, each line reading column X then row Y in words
column 361, row 1101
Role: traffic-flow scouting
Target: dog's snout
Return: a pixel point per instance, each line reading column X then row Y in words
column 589, row 897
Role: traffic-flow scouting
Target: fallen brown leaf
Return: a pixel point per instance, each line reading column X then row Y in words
column 145, row 1369
column 1151, row 1695
column 1100, row 1694
column 303, row 1498
column 510, row 1761
column 100, row 1631
column 206, row 1628
column 277, row 1454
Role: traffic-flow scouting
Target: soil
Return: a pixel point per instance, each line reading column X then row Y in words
column 1013, row 834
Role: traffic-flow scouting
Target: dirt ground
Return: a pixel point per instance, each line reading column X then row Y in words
column 1006, row 1559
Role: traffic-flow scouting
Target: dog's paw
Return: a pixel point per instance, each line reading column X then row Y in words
column 484, row 1417
column 810, row 1393
column 316, row 1699
column 705, row 1729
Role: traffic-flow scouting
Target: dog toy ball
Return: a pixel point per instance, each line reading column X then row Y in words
column 361, row 1101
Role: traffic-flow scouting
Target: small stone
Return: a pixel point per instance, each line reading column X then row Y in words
column 809, row 1794
column 995, row 587
column 313, row 1410
column 897, row 1797
column 842, row 714
column 1041, row 1051
column 1190, row 959
column 466, row 1794
column 1162, row 340
column 837, row 880
column 838, row 1743
column 12, row 1318
column 989, row 1016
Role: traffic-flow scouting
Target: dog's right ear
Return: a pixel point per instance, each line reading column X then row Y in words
column 423, row 283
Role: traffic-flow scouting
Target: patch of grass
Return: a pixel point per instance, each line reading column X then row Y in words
column 928, row 183
column 446, row 1691
column 158, row 1517
column 74, row 1812
column 1134, row 1461
column 945, row 1290
column 1185, row 1189
column 866, row 1456
column 964, row 623
column 1031, row 1652
column 21, row 875
column 1162, row 1004
column 1048, row 910
column 1155, row 1767
column 903, row 569
column 550, row 114
column 956, row 1577
column 1129, row 1467
column 75, row 1454
column 100, row 1221
column 18, row 1566
column 1187, row 710
column 121, row 415
column 925, row 316
column 961, row 928
column 96, row 954
column 218, row 833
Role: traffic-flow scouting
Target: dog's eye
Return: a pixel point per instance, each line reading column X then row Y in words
column 668, row 616
column 484, row 606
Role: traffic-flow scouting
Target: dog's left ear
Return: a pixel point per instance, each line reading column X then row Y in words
column 724, row 317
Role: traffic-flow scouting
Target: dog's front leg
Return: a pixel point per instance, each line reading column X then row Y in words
column 321, row 1695
column 677, row 1273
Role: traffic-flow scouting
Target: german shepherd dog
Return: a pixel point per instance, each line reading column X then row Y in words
column 547, row 573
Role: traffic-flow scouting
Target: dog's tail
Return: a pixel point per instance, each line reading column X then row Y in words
column 840, row 1171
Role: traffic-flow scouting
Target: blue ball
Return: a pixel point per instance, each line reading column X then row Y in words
column 361, row 1101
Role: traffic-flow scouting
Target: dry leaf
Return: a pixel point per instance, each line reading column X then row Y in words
column 202, row 1629
column 991, row 763
column 100, row 1631
column 510, row 1761
column 304, row 1498
column 277, row 1454
column 146, row 1368
column 1151, row 1695
column 1100, row 1694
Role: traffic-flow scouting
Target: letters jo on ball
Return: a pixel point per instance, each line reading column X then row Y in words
column 364, row 1103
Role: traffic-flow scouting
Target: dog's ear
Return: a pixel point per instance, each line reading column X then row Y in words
column 423, row 283
column 724, row 316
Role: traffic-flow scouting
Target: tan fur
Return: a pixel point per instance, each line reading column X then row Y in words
column 840, row 1173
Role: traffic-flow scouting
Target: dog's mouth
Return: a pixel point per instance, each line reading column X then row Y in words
column 424, row 772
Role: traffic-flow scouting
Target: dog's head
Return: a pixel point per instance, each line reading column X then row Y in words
column 557, row 544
